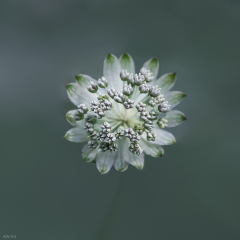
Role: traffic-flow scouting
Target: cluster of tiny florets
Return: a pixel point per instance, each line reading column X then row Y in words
column 134, row 138
column 128, row 103
column 83, row 108
column 147, row 74
column 92, row 87
column 162, row 122
column 106, row 138
column 102, row 82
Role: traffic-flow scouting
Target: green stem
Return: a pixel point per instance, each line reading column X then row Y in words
column 106, row 226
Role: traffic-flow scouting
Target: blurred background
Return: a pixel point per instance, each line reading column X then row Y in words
column 48, row 192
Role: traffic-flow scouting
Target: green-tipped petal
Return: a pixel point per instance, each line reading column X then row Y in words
column 127, row 63
column 111, row 71
column 77, row 135
column 74, row 117
column 136, row 160
column 152, row 65
column 84, row 80
column 89, row 154
column 174, row 118
column 120, row 163
column 105, row 161
column 174, row 98
column 79, row 94
column 166, row 81
column 163, row 137
column 150, row 148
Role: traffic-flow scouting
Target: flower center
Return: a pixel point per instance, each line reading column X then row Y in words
column 126, row 117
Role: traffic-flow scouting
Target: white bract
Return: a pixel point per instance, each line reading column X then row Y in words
column 121, row 115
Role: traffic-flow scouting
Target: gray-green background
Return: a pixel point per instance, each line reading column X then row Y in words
column 48, row 192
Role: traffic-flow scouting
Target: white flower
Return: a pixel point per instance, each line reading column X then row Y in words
column 120, row 122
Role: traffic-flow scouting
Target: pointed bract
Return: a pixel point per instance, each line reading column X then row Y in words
column 152, row 65
column 89, row 154
column 111, row 71
column 163, row 137
column 174, row 98
column 150, row 148
column 175, row 118
column 127, row 63
column 77, row 135
column 105, row 161
column 166, row 82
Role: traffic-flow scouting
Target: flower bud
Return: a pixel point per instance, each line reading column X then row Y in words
column 138, row 79
column 147, row 74
column 106, row 105
column 164, row 107
column 135, row 148
column 127, row 89
column 92, row 87
column 102, row 82
column 139, row 129
column 124, row 75
column 144, row 88
column 154, row 91
column 119, row 97
column 130, row 79
column 119, row 134
column 151, row 136
column 112, row 92
column 128, row 103
column 92, row 144
column 141, row 107
column 162, row 122
column 83, row 108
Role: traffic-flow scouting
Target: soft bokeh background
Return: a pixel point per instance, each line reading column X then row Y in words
column 48, row 192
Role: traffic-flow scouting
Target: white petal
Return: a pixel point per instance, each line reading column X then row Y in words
column 120, row 163
column 152, row 65
column 175, row 118
column 76, row 134
column 127, row 63
column 163, row 137
column 137, row 160
column 150, row 148
column 78, row 93
column 111, row 71
column 105, row 160
column 89, row 154
column 166, row 81
column 174, row 98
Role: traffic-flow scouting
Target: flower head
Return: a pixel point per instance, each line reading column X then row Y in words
column 121, row 115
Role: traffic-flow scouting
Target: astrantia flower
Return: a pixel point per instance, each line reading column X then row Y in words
column 121, row 116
